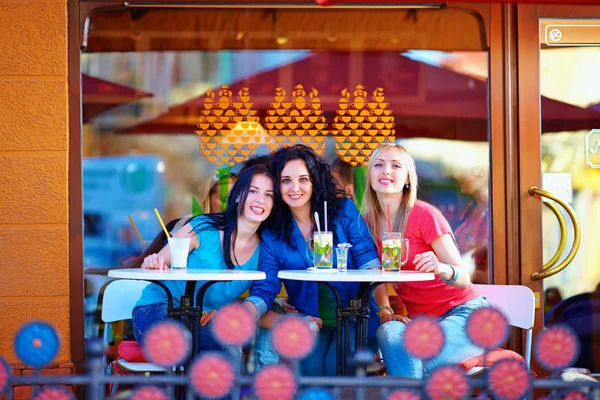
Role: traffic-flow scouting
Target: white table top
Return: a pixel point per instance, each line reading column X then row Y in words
column 186, row 274
column 355, row 276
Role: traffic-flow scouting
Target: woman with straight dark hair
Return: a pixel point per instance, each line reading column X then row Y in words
column 303, row 182
column 227, row 240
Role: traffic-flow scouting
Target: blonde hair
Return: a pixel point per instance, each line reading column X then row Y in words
column 371, row 207
column 208, row 180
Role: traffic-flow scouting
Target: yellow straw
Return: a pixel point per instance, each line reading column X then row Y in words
column 135, row 229
column 162, row 223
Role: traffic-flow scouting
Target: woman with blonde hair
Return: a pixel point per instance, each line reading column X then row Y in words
column 450, row 298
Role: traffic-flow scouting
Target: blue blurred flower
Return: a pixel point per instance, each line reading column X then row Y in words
column 315, row 394
column 36, row 344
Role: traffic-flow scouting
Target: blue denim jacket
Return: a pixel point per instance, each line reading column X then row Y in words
column 276, row 255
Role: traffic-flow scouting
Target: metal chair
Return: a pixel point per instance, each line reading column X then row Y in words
column 118, row 300
column 517, row 303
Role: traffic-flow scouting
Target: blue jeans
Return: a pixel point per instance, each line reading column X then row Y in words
column 144, row 317
column 457, row 348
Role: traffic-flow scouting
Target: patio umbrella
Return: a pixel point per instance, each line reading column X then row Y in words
column 426, row 100
column 99, row 95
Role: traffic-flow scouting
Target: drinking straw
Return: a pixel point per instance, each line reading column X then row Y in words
column 317, row 222
column 325, row 216
column 135, row 229
column 162, row 223
column 389, row 219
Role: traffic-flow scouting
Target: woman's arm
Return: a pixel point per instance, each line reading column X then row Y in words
column 444, row 261
column 162, row 260
column 363, row 250
column 263, row 293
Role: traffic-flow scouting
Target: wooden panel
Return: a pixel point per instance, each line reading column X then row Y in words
column 499, row 239
column 529, row 143
column 324, row 29
column 76, row 316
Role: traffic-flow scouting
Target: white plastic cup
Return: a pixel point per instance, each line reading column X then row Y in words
column 179, row 248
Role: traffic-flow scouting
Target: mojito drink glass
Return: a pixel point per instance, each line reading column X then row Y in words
column 323, row 249
column 391, row 253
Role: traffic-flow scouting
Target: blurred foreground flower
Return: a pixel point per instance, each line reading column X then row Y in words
column 403, row 394
column 424, row 338
column 54, row 393
column 556, row 347
column 149, row 393
column 509, row 379
column 233, row 325
column 36, row 344
column 447, row 383
column 167, row 344
column 275, row 382
column 212, row 375
column 487, row 328
column 293, row 338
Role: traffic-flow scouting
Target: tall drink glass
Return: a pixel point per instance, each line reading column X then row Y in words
column 322, row 249
column 392, row 247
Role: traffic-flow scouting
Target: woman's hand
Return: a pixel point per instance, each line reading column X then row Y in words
column 287, row 306
column 427, row 262
column 387, row 317
column 154, row 261
column 207, row 317
column 318, row 322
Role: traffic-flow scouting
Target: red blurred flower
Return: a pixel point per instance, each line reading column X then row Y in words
column 403, row 394
column 556, row 348
column 293, row 338
column 167, row 344
column 212, row 375
column 575, row 395
column 5, row 371
column 149, row 393
column 424, row 337
column 447, row 383
column 233, row 325
column 509, row 379
column 54, row 393
column 275, row 382
column 487, row 328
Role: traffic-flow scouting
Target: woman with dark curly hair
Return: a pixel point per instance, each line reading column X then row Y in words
column 303, row 182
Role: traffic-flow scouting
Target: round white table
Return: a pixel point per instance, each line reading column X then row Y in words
column 368, row 276
column 358, row 307
column 186, row 274
column 191, row 314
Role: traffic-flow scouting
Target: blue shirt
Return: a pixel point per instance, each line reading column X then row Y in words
column 208, row 255
column 276, row 255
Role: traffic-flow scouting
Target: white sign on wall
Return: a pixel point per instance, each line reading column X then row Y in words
column 559, row 184
column 592, row 148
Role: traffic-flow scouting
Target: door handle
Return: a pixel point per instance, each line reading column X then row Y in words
column 549, row 269
column 563, row 235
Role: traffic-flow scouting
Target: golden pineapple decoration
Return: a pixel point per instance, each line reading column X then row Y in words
column 299, row 121
column 228, row 129
column 360, row 125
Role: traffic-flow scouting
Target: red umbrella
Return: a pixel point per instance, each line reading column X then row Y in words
column 427, row 101
column 99, row 95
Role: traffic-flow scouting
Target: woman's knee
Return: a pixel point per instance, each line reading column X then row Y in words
column 392, row 330
column 143, row 317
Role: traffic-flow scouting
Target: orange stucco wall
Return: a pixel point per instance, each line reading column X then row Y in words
column 34, row 280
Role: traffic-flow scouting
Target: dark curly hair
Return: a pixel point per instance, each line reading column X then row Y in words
column 324, row 189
